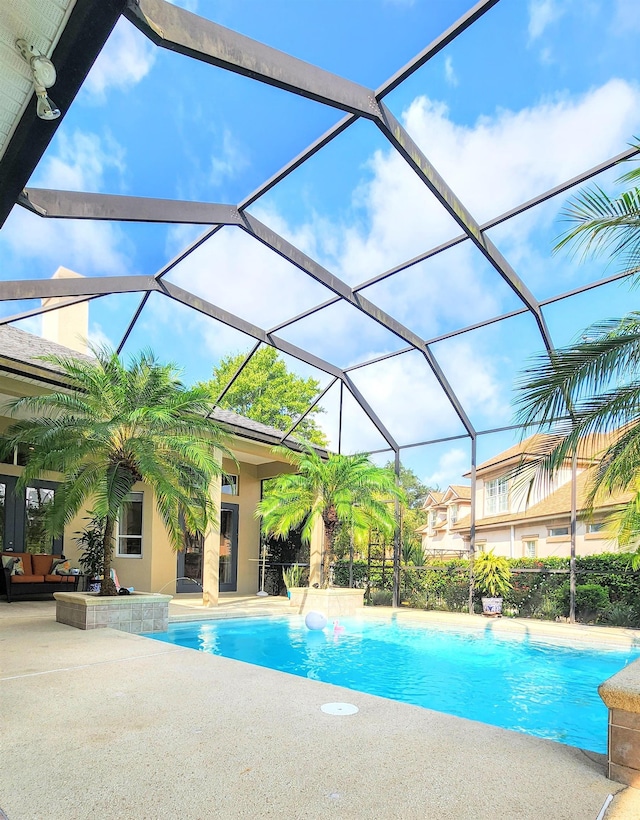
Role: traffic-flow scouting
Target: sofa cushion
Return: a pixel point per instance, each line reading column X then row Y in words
column 42, row 564
column 27, row 579
column 59, row 579
column 13, row 563
column 26, row 560
column 60, row 566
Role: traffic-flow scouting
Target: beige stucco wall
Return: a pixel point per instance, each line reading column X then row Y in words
column 156, row 569
column 499, row 540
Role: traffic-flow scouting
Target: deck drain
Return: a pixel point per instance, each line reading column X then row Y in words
column 339, row 708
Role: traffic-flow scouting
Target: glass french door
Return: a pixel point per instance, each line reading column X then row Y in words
column 229, row 548
column 190, row 559
column 22, row 517
column 190, row 564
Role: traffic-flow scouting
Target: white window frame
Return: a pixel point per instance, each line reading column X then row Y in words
column 554, row 532
column 496, row 496
column 119, row 535
column 527, row 549
column 454, row 512
column 598, row 525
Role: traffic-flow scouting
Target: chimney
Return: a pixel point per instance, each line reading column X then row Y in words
column 68, row 326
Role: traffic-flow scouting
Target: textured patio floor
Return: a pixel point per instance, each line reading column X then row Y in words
column 104, row 724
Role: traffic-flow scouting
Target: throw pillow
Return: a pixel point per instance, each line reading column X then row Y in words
column 14, row 564
column 61, row 566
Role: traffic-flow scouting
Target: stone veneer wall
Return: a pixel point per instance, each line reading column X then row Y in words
column 621, row 694
column 135, row 613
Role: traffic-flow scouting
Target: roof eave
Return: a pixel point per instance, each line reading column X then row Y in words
column 82, row 39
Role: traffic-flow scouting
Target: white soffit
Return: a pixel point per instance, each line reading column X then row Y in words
column 39, row 22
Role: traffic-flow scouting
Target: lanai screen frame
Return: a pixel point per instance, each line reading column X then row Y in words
column 174, row 28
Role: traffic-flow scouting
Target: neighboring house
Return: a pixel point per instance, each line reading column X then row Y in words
column 225, row 561
column 517, row 526
column 444, row 511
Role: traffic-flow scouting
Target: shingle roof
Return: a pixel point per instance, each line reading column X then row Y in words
column 463, row 491
column 22, row 347
column 434, row 496
column 556, row 504
column 27, row 348
column 236, row 421
column 534, row 446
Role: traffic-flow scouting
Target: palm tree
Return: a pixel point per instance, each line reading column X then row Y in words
column 339, row 491
column 118, row 425
column 592, row 387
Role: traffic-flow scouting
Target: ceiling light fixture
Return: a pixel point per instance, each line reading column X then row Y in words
column 43, row 73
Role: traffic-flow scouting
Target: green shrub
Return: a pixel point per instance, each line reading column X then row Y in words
column 622, row 615
column 592, row 601
column 381, row 597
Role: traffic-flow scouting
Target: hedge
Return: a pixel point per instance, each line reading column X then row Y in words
column 608, row 590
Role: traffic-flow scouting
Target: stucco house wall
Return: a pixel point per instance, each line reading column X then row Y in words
column 156, row 569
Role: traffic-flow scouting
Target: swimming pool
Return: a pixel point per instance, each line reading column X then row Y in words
column 528, row 685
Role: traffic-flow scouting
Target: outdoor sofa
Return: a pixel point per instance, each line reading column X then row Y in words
column 24, row 574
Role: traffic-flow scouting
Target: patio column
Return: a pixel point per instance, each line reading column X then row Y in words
column 316, row 549
column 211, row 554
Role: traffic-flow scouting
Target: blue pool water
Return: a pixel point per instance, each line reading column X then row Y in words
column 531, row 686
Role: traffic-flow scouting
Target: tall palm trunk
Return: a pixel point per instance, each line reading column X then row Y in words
column 330, row 520
column 107, row 586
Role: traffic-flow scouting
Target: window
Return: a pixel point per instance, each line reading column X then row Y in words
column 129, row 530
column 433, row 517
column 530, row 549
column 496, row 496
column 36, row 537
column 453, row 513
column 230, row 484
column 558, row 531
column 595, row 527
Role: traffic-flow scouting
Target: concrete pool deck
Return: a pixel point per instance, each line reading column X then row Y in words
column 105, row 724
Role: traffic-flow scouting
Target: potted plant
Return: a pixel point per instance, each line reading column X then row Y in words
column 90, row 540
column 493, row 578
column 292, row 576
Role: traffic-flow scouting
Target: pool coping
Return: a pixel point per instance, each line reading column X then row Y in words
column 563, row 633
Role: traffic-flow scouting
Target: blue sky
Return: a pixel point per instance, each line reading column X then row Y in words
column 532, row 94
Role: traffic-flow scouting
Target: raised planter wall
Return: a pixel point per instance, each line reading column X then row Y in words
column 621, row 694
column 333, row 602
column 137, row 612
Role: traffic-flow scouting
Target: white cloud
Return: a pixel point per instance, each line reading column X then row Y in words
column 626, row 17
column 81, row 163
column 31, row 325
column 449, row 469
column 492, row 165
column 541, row 14
column 98, row 337
column 125, row 60
column 449, row 72
column 229, row 161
